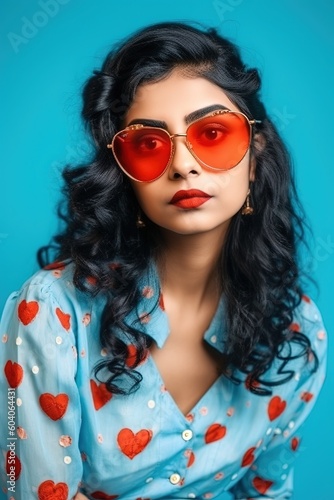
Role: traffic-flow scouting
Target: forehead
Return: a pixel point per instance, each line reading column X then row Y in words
column 175, row 97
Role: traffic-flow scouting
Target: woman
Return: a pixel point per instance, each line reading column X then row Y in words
column 170, row 352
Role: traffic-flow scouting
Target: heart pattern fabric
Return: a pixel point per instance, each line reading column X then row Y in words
column 262, row 485
column 214, row 433
column 276, row 407
column 100, row 394
column 128, row 443
column 13, row 465
column 64, row 319
column 54, row 406
column 48, row 490
column 100, row 495
column 14, row 373
column 248, row 457
column 131, row 444
column 27, row 311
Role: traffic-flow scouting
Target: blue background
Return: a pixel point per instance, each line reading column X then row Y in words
column 49, row 47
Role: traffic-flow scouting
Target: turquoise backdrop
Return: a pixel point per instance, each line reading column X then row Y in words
column 49, row 47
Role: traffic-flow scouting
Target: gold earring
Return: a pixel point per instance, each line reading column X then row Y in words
column 140, row 223
column 247, row 209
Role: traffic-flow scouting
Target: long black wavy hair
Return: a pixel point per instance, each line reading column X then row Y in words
column 258, row 265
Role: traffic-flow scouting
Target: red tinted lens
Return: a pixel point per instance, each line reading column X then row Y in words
column 143, row 153
column 220, row 141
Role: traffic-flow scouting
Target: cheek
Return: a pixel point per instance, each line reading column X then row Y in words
column 145, row 195
column 233, row 184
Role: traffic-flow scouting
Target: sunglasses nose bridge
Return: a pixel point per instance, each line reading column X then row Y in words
column 172, row 136
column 177, row 135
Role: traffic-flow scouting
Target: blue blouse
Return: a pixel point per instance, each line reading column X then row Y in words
column 64, row 431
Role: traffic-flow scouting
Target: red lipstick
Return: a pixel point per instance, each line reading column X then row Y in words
column 192, row 198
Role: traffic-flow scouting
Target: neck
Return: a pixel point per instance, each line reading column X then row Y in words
column 188, row 265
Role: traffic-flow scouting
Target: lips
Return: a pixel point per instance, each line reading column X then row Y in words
column 191, row 198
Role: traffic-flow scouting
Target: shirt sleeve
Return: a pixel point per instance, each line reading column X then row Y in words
column 40, row 407
column 271, row 475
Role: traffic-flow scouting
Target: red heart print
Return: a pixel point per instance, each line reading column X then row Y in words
column 14, row 373
column 13, row 465
column 276, row 407
column 99, row 495
column 131, row 358
column 191, row 458
column 306, row 396
column 261, row 485
column 54, row 406
column 214, row 433
column 294, row 327
column 55, row 265
column 27, row 311
column 65, row 319
column 251, row 384
column 248, row 457
column 294, row 443
column 48, row 490
column 131, row 444
column 100, row 394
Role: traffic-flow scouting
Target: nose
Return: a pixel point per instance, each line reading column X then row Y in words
column 183, row 163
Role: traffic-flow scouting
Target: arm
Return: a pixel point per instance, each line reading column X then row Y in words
column 271, row 475
column 40, row 415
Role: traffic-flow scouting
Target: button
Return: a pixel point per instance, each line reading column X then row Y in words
column 35, row 369
column 175, row 478
column 151, row 403
column 18, row 341
column 67, row 460
column 187, row 435
column 59, row 340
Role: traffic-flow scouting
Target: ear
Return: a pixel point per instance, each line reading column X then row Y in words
column 258, row 145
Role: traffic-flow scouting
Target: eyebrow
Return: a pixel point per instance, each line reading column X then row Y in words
column 195, row 115
column 199, row 113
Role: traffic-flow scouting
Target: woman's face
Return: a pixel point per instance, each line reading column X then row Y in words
column 172, row 100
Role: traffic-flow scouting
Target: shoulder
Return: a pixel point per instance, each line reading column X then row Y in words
column 303, row 355
column 311, row 337
column 56, row 279
column 50, row 291
column 307, row 319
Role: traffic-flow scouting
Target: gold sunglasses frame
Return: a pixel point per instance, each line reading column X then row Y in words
column 140, row 126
